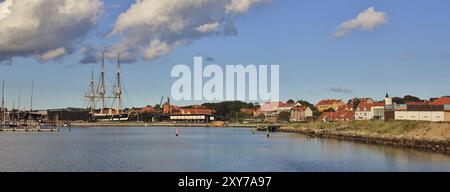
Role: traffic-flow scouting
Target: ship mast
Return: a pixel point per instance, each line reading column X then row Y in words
column 3, row 103
column 101, row 86
column 91, row 93
column 31, row 100
column 118, row 89
column 18, row 108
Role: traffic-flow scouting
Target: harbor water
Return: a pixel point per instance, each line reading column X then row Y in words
column 201, row 149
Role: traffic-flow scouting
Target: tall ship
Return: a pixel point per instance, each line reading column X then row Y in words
column 97, row 96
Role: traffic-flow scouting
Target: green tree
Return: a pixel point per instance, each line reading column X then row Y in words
column 229, row 109
column 305, row 103
column 410, row 98
column 356, row 104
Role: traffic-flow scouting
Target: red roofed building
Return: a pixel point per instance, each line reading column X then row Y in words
column 356, row 101
column 171, row 109
column 442, row 101
column 369, row 111
column 301, row 113
column 197, row 111
column 338, row 116
column 148, row 109
column 270, row 110
column 348, row 107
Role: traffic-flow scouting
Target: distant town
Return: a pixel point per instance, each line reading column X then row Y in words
column 408, row 108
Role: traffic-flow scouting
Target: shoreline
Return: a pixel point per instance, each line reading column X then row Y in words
column 136, row 124
column 437, row 145
column 428, row 144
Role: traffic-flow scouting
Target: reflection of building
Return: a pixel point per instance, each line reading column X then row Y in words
column 301, row 113
column 327, row 104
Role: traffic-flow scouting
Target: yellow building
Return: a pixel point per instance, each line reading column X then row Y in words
column 329, row 104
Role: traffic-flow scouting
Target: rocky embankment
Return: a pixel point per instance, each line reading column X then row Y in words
column 407, row 138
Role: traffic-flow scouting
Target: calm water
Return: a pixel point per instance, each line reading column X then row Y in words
column 200, row 149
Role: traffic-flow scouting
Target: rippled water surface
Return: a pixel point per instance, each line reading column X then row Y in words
column 201, row 149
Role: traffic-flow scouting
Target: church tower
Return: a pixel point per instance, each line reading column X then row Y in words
column 388, row 100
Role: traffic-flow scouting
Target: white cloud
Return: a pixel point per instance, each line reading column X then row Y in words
column 367, row 20
column 153, row 28
column 240, row 6
column 53, row 54
column 46, row 28
column 209, row 27
column 156, row 49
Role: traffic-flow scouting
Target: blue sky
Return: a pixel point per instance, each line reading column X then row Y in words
column 409, row 54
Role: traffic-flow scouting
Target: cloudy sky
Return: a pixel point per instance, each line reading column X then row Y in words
column 325, row 48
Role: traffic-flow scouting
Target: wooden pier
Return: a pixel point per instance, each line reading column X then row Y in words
column 28, row 129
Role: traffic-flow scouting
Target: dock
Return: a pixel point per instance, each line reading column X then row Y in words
column 29, row 129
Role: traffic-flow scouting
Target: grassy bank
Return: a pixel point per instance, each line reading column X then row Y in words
column 395, row 128
column 423, row 135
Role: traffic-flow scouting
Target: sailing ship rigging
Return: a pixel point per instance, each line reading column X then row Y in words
column 100, row 96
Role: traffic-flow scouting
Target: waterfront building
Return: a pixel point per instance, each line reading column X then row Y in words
column 301, row 114
column 171, row 109
column 148, row 109
column 327, row 104
column 270, row 110
column 68, row 114
column 421, row 112
column 196, row 111
column 418, row 111
column 369, row 111
column 344, row 114
column 194, row 118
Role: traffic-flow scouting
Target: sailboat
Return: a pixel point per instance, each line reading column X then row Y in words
column 103, row 113
column 3, row 107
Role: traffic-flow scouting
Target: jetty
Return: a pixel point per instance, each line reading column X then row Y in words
column 29, row 128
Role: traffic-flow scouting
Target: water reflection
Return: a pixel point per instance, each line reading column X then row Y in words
column 201, row 149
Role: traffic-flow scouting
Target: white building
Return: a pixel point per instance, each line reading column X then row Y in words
column 433, row 116
column 369, row 111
